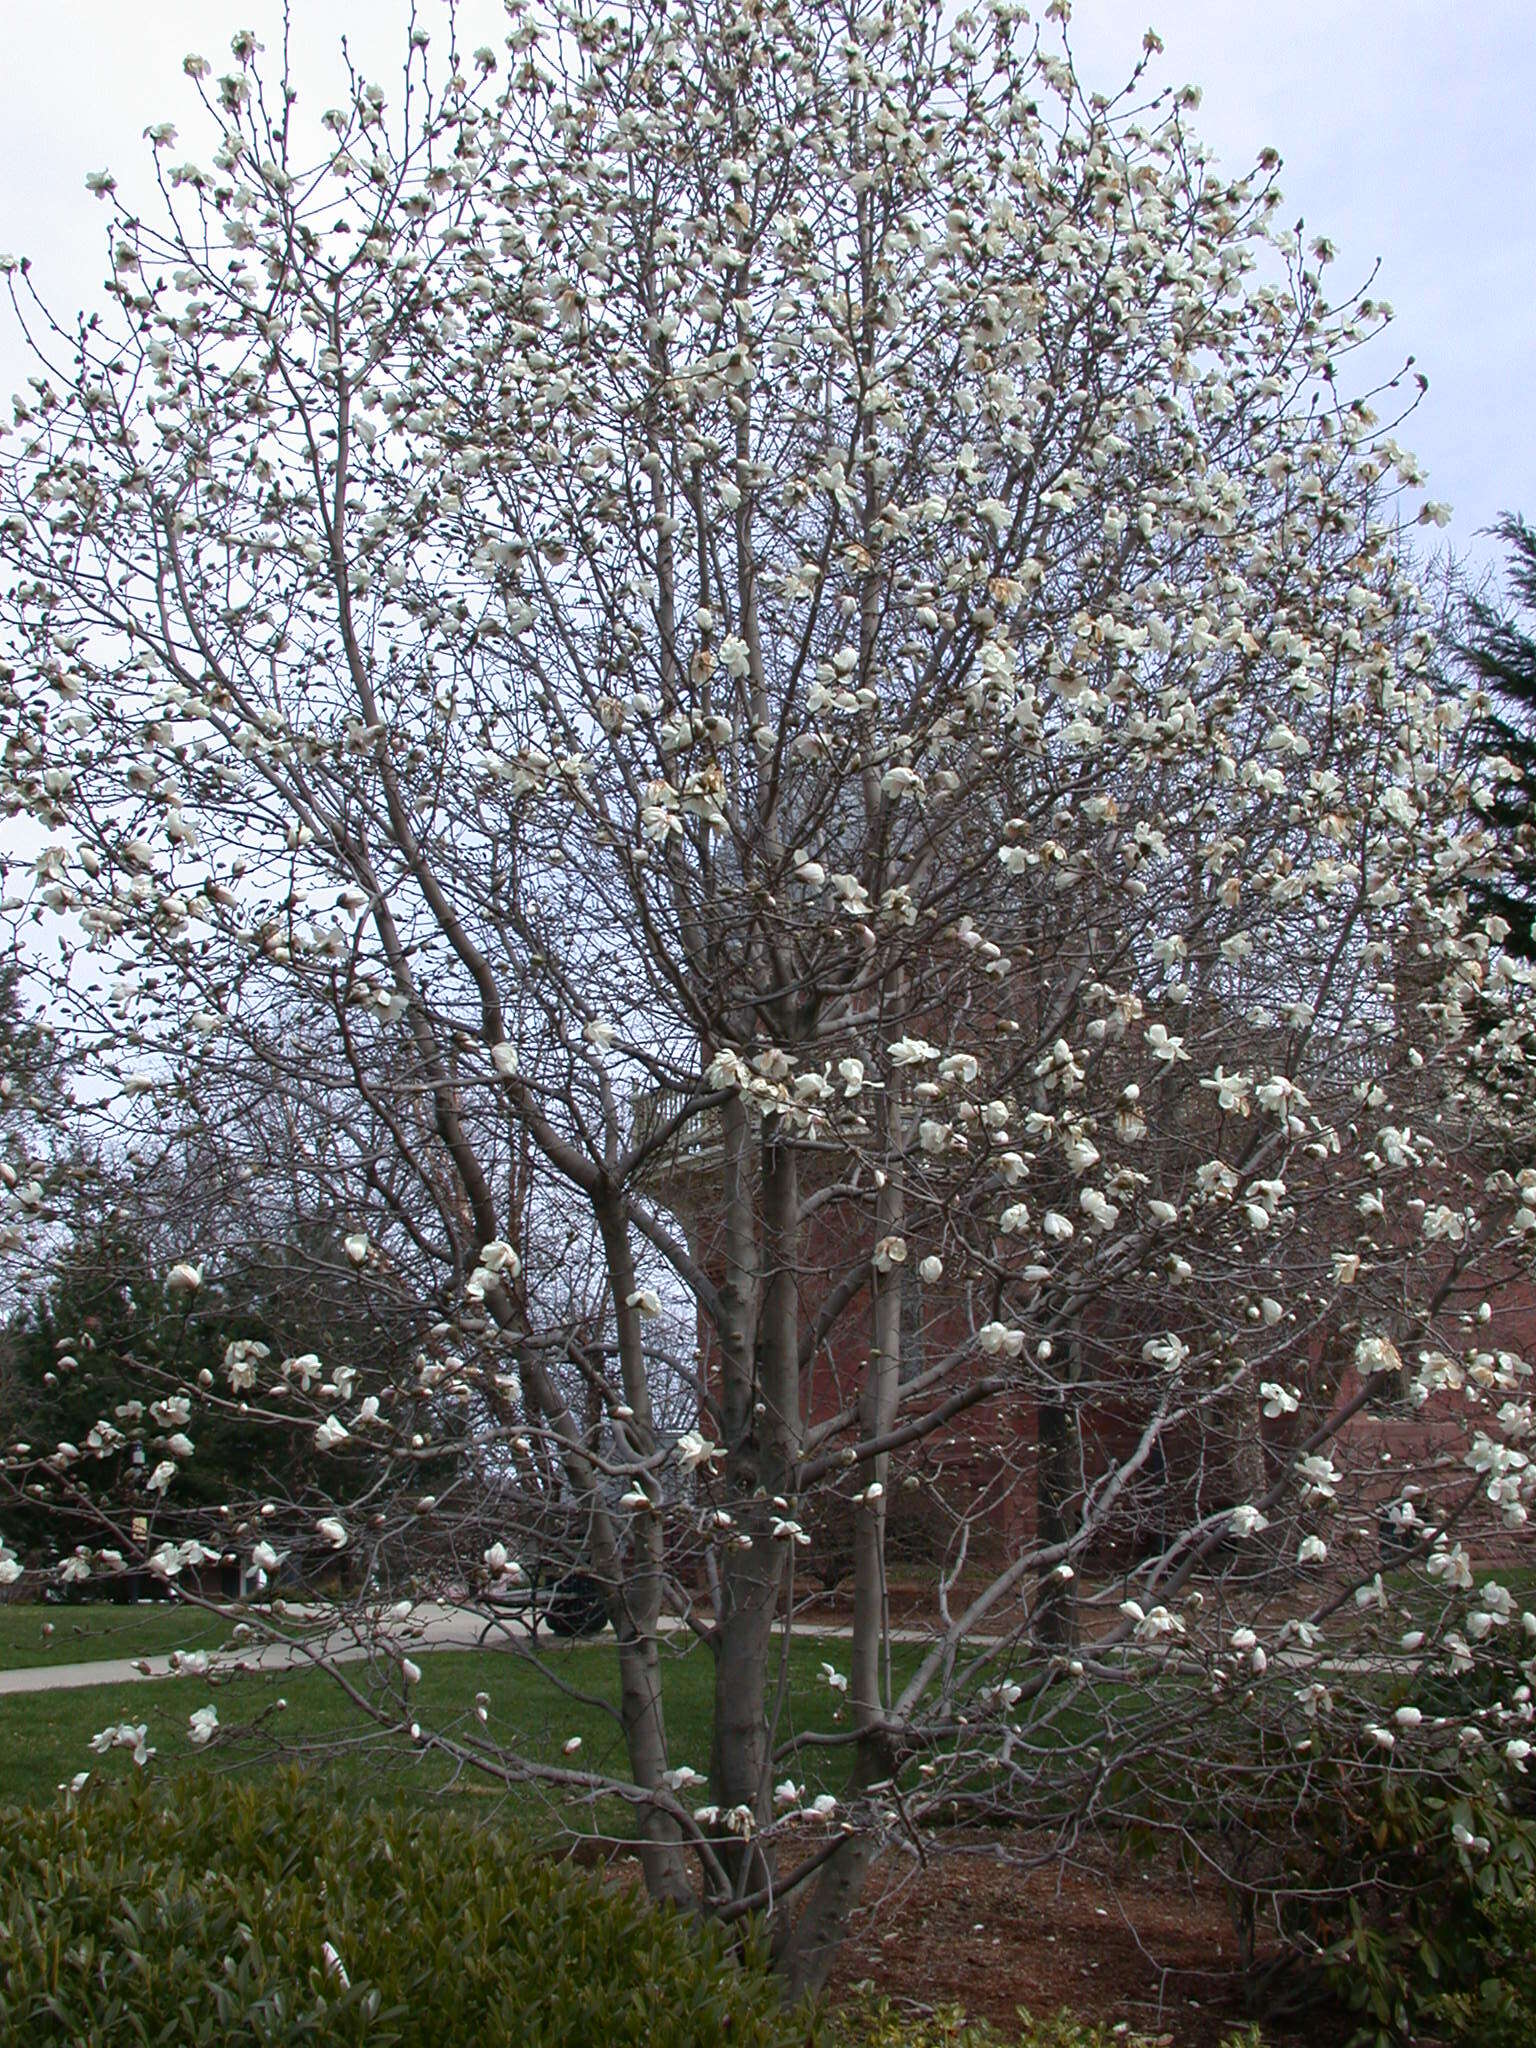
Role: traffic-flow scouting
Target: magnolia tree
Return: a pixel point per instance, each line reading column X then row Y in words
column 742, row 660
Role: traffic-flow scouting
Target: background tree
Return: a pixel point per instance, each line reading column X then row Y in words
column 762, row 660
column 98, row 1356
column 1499, row 653
column 38, row 1151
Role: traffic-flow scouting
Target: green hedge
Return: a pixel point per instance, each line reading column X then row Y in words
column 227, row 1915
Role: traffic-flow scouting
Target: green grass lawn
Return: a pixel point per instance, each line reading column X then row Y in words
column 34, row 1634
column 534, row 1708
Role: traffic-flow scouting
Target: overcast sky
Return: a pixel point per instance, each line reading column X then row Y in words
column 1405, row 125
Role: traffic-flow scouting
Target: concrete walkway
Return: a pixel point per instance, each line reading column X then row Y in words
column 430, row 1628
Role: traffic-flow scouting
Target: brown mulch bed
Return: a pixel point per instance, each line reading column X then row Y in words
column 1152, row 1948
column 1149, row 1948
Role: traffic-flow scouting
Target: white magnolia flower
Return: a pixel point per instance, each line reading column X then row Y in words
column 1231, row 1091
column 504, row 1060
column 1377, row 1355
column 931, row 1269
column 1099, row 1210
column 184, row 1278
column 1279, row 1095
column 694, row 1450
column 1247, row 1520
column 1396, row 1146
column 1154, row 1623
column 129, row 1735
column 998, row 1340
column 911, row 1052
column 1319, row 1476
column 333, row 1530
column 1452, row 1565
column 1080, row 1154
column 204, row 1725
column 500, row 1562
column 646, row 1300
column 165, row 1561
column 241, row 1359
column 355, row 1245
column 735, row 656
column 1164, row 1045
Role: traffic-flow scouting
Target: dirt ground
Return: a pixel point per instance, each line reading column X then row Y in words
column 1152, row 1950
column 1149, row 1948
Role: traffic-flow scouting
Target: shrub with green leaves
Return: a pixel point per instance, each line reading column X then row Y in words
column 251, row 1916
column 1497, row 2007
column 1441, row 1874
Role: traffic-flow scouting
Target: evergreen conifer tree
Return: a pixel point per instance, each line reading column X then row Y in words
column 1498, row 646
